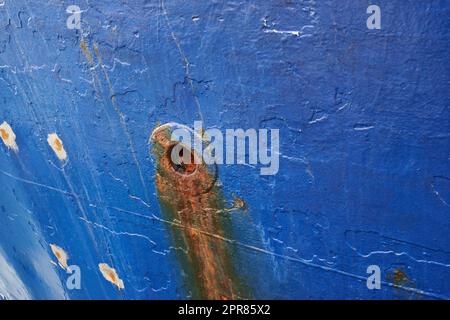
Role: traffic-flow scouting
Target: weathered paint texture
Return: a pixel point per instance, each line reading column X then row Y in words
column 364, row 172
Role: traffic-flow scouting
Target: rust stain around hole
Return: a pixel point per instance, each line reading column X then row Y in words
column 188, row 194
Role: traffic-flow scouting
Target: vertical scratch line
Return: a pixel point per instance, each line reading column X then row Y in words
column 186, row 62
column 121, row 120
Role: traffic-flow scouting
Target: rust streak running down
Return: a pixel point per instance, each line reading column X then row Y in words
column 189, row 195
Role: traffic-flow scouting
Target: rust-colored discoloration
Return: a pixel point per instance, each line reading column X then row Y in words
column 399, row 278
column 86, row 52
column 239, row 204
column 58, row 145
column 189, row 195
column 5, row 135
column 110, row 274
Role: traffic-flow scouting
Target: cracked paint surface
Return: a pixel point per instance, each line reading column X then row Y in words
column 364, row 173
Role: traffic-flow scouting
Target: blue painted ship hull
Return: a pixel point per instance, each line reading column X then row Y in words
column 364, row 162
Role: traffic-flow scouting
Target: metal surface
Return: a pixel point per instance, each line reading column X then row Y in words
column 364, row 174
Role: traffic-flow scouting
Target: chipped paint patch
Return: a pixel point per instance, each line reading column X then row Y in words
column 239, row 203
column 110, row 274
column 399, row 278
column 401, row 281
column 8, row 136
column 57, row 145
column 61, row 255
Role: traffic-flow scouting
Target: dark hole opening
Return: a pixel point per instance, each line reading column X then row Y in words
column 180, row 166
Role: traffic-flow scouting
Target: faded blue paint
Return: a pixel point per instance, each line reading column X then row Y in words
column 363, row 114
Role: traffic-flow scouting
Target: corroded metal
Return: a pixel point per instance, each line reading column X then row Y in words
column 189, row 195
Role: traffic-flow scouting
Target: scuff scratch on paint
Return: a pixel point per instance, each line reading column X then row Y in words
column 61, row 255
column 363, row 127
column 296, row 33
column 115, row 105
column 86, row 52
column 8, row 136
column 57, row 145
column 110, row 274
column 188, row 193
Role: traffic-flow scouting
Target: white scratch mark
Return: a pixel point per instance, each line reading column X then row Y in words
column 119, row 233
column 296, row 33
column 363, row 128
column 322, row 118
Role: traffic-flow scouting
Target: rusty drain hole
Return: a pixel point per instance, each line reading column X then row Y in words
column 179, row 165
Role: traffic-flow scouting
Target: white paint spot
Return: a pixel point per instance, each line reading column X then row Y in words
column 110, row 274
column 55, row 142
column 8, row 136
